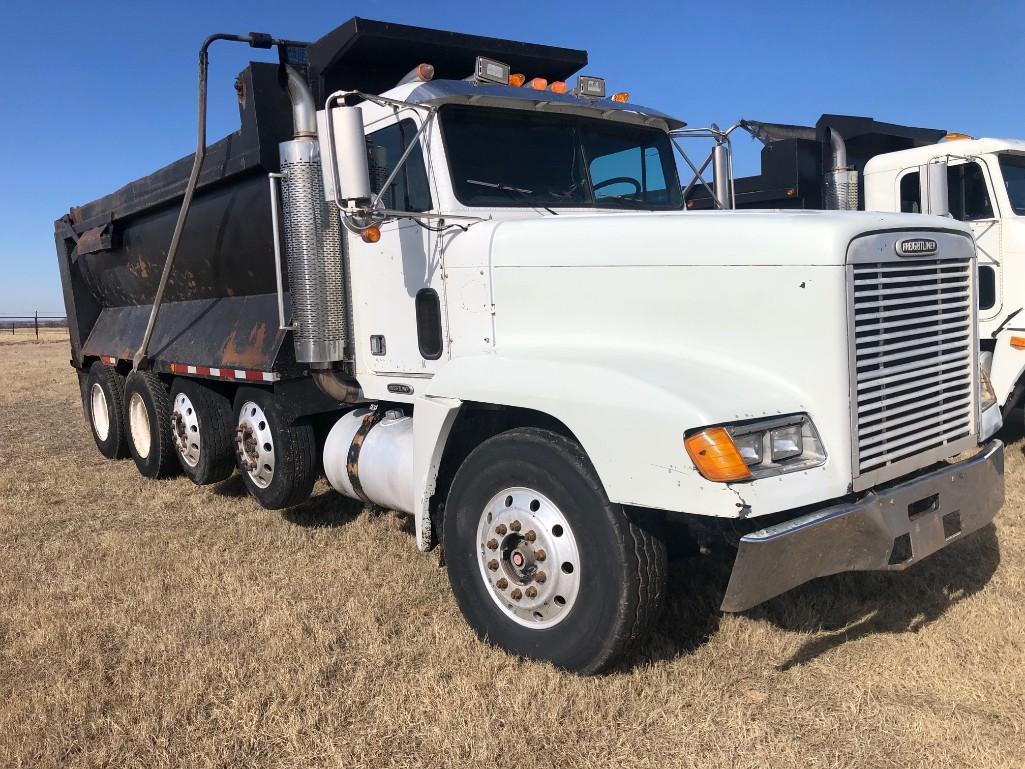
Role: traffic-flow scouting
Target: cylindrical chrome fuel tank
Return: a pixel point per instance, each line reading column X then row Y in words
column 369, row 456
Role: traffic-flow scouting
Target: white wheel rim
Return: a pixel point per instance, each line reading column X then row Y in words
column 99, row 412
column 254, row 445
column 139, row 428
column 528, row 557
column 185, row 428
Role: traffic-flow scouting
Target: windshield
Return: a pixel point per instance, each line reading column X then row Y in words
column 509, row 157
column 1013, row 169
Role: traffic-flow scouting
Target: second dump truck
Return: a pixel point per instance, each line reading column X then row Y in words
column 465, row 288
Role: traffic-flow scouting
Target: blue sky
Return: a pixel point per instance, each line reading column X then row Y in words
column 103, row 93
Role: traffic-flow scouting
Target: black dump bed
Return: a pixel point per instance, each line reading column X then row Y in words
column 794, row 159
column 220, row 306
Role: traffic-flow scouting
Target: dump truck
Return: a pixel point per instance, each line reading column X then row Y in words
column 847, row 162
column 461, row 287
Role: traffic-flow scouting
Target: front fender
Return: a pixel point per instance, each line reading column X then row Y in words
column 1008, row 364
column 631, row 422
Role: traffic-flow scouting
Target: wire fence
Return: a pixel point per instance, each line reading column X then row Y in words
column 36, row 321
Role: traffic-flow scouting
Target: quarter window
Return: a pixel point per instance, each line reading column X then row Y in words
column 910, row 194
column 409, row 190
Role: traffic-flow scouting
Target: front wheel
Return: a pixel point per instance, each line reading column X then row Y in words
column 541, row 562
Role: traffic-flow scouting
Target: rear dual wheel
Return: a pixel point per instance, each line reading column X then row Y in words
column 148, row 406
column 276, row 455
column 103, row 398
column 201, row 428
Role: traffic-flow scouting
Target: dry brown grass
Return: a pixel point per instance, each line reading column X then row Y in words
column 152, row 624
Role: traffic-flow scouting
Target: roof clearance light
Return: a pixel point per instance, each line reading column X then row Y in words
column 558, row 87
column 425, row 72
column 538, row 84
column 517, row 79
column 491, row 71
column 954, row 136
column 622, row 97
column 590, row 87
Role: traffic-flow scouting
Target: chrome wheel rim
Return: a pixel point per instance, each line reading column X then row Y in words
column 528, row 557
column 138, row 421
column 99, row 411
column 185, row 428
column 254, row 445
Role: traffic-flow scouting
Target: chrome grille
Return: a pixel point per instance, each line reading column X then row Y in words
column 914, row 351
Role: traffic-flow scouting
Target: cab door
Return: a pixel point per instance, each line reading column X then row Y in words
column 972, row 201
column 397, row 291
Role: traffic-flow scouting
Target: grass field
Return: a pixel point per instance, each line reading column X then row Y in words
column 154, row 624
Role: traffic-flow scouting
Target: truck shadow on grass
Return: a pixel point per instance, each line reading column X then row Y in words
column 833, row 610
column 326, row 509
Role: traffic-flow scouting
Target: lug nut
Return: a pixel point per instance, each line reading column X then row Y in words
column 502, row 584
column 515, row 526
column 540, row 555
column 493, row 565
column 516, row 594
column 540, row 577
column 531, row 592
column 530, row 536
column 492, row 544
column 500, row 529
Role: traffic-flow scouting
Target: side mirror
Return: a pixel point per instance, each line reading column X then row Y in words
column 935, row 194
column 343, row 155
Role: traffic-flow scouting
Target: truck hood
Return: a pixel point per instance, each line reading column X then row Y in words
column 712, row 238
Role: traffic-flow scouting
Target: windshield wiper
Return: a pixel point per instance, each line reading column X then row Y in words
column 524, row 193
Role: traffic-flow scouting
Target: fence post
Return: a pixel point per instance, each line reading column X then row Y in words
column 37, row 325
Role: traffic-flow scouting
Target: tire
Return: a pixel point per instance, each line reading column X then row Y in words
column 529, row 487
column 276, row 456
column 103, row 400
column 203, row 430
column 147, row 405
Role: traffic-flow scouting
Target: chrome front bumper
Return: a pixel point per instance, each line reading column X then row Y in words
column 890, row 528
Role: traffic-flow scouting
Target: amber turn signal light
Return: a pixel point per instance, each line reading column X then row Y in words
column 1018, row 342
column 517, row 79
column 716, row 456
column 371, row 234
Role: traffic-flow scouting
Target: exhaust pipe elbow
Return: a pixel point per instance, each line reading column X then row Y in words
column 304, row 111
column 839, row 149
column 334, row 385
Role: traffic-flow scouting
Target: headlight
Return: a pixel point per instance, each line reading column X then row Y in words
column 756, row 449
column 987, row 395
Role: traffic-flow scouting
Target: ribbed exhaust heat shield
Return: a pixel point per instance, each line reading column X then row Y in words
column 316, row 262
column 841, row 190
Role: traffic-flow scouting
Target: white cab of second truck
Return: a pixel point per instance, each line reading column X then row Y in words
column 986, row 183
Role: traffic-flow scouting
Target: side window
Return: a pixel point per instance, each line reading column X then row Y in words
column 910, row 194
column 969, row 197
column 409, row 190
column 632, row 174
column 987, row 287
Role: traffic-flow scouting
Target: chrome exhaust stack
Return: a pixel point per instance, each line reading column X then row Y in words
column 315, row 251
column 840, row 187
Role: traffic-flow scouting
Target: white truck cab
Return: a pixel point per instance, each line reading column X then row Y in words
column 986, row 187
column 478, row 299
